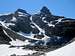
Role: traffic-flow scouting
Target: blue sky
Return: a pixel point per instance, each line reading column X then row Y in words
column 57, row 7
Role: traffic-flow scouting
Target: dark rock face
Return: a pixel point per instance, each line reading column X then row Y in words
column 59, row 29
column 4, row 39
column 39, row 36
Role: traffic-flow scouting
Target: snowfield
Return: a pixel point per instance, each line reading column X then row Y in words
column 6, row 51
column 68, row 50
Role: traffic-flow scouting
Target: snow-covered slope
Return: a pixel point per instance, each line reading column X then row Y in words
column 67, row 50
column 6, row 51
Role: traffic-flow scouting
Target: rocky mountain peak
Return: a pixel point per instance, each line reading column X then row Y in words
column 21, row 10
column 45, row 10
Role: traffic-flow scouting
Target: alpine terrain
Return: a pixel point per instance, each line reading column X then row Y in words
column 41, row 32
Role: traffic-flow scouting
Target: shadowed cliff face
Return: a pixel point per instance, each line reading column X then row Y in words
column 4, row 39
column 41, row 29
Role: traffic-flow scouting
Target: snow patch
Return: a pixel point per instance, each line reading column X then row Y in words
column 32, row 26
column 3, row 24
column 59, row 20
column 49, row 24
column 19, row 42
column 41, row 30
column 8, row 24
column 6, row 51
column 13, row 19
column 31, row 35
column 43, row 18
column 31, row 18
column 22, row 14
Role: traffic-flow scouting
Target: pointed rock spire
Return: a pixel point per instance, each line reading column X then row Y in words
column 45, row 10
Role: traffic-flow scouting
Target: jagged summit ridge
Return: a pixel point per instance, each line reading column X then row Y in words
column 21, row 10
column 41, row 29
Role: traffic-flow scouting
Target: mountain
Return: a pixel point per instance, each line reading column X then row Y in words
column 41, row 29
